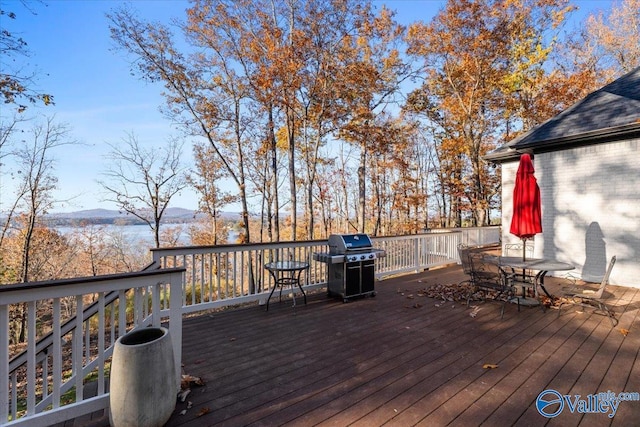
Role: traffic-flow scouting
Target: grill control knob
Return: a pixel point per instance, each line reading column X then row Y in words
column 371, row 256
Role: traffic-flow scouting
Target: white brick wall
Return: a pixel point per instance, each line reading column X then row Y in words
column 590, row 209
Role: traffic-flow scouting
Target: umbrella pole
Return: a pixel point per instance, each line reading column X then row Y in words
column 524, row 256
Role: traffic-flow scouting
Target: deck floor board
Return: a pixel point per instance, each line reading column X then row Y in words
column 401, row 358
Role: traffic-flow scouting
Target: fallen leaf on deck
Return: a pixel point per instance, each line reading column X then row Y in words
column 489, row 366
column 475, row 311
column 624, row 331
column 184, row 411
column 203, row 411
column 232, row 339
column 416, row 305
column 188, row 380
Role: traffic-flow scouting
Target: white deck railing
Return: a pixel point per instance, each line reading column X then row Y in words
column 42, row 385
column 71, row 328
column 218, row 276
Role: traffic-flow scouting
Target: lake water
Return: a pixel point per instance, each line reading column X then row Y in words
column 142, row 233
column 130, row 233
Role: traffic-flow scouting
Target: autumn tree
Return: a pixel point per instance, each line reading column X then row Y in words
column 206, row 180
column 29, row 250
column 205, row 91
column 142, row 181
column 372, row 70
column 93, row 250
column 483, row 63
column 399, row 180
column 34, row 190
column 9, row 129
column 17, row 84
column 616, row 36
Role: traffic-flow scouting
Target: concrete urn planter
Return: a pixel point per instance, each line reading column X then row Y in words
column 143, row 385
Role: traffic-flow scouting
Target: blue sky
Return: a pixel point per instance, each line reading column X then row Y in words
column 100, row 100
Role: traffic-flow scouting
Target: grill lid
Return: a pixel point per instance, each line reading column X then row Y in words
column 345, row 243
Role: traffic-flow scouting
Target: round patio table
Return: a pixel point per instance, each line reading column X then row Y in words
column 541, row 265
column 286, row 273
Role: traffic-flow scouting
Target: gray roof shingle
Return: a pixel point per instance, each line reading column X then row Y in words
column 600, row 116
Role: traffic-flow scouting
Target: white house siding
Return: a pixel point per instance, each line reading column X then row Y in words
column 590, row 209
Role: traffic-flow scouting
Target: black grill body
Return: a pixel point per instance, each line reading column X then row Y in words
column 351, row 265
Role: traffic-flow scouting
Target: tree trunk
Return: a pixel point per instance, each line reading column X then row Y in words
column 292, row 173
column 362, row 186
column 274, row 183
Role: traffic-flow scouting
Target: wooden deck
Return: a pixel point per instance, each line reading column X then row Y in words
column 402, row 359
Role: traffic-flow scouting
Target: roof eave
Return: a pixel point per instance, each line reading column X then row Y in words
column 599, row 136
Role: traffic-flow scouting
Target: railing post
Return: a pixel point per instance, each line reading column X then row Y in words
column 416, row 253
column 4, row 363
column 78, row 337
column 175, row 321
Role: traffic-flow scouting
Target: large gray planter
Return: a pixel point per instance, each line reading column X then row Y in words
column 143, row 386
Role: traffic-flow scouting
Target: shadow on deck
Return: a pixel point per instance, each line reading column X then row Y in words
column 402, row 359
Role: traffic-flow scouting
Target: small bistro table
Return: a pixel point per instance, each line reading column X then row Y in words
column 286, row 273
column 541, row 265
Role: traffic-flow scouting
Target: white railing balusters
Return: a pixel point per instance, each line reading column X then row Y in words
column 5, row 404
column 31, row 357
column 78, row 344
column 57, row 353
column 14, row 396
column 35, row 381
column 101, row 347
column 240, row 276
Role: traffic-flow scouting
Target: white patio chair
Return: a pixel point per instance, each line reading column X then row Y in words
column 585, row 296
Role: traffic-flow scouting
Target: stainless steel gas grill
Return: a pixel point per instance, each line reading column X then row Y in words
column 350, row 265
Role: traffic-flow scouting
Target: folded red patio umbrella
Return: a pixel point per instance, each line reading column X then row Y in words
column 527, row 217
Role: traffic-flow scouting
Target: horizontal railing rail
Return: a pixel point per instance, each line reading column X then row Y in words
column 71, row 329
column 66, row 352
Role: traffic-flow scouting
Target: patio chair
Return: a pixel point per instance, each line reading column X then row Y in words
column 485, row 277
column 584, row 296
column 463, row 253
column 515, row 249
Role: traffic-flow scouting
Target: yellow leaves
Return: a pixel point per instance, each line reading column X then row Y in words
column 624, row 332
column 282, row 138
column 489, row 366
column 392, row 60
